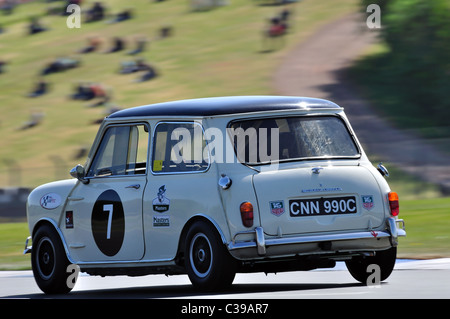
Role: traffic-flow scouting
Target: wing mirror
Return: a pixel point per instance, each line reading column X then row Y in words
column 383, row 170
column 79, row 173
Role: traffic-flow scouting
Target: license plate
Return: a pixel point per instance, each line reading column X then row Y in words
column 322, row 206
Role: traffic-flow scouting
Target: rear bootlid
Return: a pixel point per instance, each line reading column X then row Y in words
column 311, row 199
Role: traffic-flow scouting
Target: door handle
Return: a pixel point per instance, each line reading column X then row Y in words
column 135, row 186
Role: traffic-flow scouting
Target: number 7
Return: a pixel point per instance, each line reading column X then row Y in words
column 108, row 208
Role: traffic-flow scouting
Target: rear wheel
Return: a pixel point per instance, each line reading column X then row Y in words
column 49, row 261
column 360, row 270
column 208, row 264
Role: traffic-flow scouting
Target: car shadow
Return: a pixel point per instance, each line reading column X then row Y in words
column 188, row 291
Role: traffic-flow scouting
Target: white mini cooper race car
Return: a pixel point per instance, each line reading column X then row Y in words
column 211, row 187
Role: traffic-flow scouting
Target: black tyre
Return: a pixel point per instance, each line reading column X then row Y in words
column 359, row 268
column 49, row 261
column 208, row 263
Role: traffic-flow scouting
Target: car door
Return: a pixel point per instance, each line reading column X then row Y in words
column 179, row 187
column 103, row 219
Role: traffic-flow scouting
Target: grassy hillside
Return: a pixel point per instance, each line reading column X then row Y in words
column 210, row 53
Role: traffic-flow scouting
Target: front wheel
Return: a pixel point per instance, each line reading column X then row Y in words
column 360, row 270
column 49, row 261
column 208, row 264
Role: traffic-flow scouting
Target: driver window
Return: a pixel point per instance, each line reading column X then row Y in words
column 122, row 151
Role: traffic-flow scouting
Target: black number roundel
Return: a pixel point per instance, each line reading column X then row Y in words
column 108, row 223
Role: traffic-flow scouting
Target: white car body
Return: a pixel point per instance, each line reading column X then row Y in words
column 307, row 212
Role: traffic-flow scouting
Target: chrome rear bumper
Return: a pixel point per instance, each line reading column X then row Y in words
column 363, row 240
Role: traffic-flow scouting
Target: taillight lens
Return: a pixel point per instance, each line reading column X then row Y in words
column 393, row 203
column 247, row 214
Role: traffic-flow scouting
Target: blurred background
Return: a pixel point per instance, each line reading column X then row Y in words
column 58, row 81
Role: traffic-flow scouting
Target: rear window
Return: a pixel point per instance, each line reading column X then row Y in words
column 261, row 141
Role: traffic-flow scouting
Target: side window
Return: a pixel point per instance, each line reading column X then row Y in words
column 122, row 151
column 179, row 147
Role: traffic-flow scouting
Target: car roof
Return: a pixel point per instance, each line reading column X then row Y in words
column 225, row 105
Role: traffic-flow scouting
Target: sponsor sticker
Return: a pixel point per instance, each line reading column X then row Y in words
column 367, row 201
column 50, row 201
column 277, row 207
column 69, row 219
column 161, row 221
column 157, row 165
column 161, row 203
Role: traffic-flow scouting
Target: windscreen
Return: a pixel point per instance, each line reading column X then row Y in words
column 268, row 140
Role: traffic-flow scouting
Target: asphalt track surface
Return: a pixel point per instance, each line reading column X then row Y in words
column 411, row 279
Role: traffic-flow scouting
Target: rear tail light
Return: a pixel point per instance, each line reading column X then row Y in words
column 247, row 214
column 393, row 203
